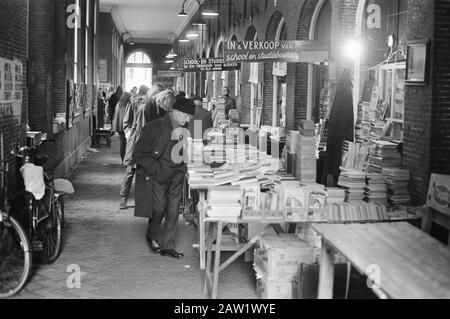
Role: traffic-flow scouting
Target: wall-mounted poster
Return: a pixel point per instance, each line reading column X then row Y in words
column 11, row 79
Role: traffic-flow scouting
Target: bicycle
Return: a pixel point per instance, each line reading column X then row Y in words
column 40, row 212
column 15, row 248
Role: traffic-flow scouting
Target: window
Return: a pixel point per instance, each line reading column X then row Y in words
column 139, row 58
column 138, row 70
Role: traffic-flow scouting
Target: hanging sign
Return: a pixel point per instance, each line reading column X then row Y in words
column 208, row 64
column 170, row 74
column 276, row 51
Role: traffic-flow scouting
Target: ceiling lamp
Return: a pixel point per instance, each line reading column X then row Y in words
column 192, row 35
column 171, row 54
column 183, row 40
column 183, row 13
column 168, row 61
column 199, row 21
column 172, row 68
column 210, row 13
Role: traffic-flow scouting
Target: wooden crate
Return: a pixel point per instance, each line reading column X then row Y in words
column 281, row 254
column 274, row 289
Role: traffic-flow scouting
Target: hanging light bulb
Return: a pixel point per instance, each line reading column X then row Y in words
column 171, row 54
column 192, row 35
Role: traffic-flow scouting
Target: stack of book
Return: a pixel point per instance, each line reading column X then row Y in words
column 348, row 212
column 397, row 183
column 195, row 151
column 354, row 182
column 277, row 258
column 224, row 202
column 307, row 128
column 363, row 124
column 220, row 109
column 296, row 194
column 384, row 155
column 375, row 189
column 306, row 159
column 335, row 195
column 234, row 116
column 225, row 177
column 200, row 176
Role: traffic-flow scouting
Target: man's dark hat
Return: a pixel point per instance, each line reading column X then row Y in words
column 184, row 105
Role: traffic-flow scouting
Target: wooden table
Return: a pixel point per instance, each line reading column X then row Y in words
column 403, row 261
column 214, row 232
column 202, row 192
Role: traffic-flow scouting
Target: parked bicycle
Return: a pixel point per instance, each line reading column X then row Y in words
column 15, row 248
column 39, row 210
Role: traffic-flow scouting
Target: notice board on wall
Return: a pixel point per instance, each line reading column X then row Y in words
column 11, row 87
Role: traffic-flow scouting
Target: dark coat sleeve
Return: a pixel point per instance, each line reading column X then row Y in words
column 209, row 121
column 144, row 153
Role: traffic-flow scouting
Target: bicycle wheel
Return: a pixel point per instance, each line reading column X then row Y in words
column 50, row 232
column 15, row 258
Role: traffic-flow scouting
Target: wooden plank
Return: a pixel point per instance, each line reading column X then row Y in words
column 236, row 255
column 217, row 260
column 351, row 246
column 430, row 257
column 355, row 242
column 209, row 240
column 396, row 264
column 326, row 272
column 202, row 239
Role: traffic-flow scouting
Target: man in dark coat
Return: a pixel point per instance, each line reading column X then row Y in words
column 201, row 117
column 160, row 174
column 112, row 102
column 230, row 103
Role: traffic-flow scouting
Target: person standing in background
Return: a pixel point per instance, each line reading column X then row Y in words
column 133, row 123
column 230, row 103
column 134, row 92
column 100, row 109
column 117, row 123
column 112, row 103
column 202, row 117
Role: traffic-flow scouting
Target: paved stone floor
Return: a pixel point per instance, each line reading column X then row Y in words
column 108, row 245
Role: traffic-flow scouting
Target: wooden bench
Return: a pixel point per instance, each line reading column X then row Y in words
column 400, row 260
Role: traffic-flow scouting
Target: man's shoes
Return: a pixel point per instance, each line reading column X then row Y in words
column 154, row 246
column 123, row 204
column 172, row 253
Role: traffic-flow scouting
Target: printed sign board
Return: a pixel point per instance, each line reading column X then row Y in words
column 439, row 193
column 208, row 64
column 276, row 51
column 170, row 74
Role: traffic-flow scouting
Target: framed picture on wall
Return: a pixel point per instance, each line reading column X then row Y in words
column 417, row 63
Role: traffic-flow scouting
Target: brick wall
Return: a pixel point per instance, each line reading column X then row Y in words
column 51, row 59
column 418, row 106
column 440, row 128
column 41, row 55
column 14, row 45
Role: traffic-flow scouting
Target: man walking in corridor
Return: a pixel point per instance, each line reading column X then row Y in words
column 160, row 175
